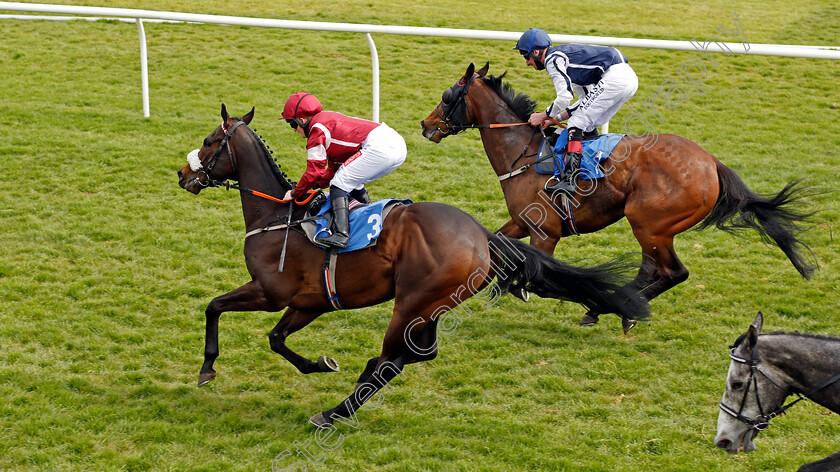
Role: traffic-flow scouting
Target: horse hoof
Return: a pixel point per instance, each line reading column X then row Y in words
column 206, row 378
column 627, row 324
column 327, row 364
column 589, row 320
column 320, row 420
column 521, row 294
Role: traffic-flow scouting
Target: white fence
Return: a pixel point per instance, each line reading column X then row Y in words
column 138, row 16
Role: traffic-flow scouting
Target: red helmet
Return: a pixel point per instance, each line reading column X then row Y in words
column 301, row 105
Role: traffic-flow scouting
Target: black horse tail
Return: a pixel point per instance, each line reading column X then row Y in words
column 740, row 208
column 602, row 288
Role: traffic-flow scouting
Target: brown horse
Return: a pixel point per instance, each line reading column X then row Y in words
column 662, row 184
column 429, row 257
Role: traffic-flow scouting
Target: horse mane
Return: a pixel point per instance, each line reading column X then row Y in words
column 520, row 103
column 281, row 176
column 821, row 337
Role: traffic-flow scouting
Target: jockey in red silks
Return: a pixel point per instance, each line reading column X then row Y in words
column 343, row 153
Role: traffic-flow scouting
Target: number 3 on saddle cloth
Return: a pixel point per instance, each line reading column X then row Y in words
column 595, row 150
column 365, row 226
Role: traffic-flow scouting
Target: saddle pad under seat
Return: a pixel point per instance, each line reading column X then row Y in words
column 594, row 151
column 365, row 223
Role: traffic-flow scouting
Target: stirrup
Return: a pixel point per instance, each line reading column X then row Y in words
column 562, row 185
column 335, row 240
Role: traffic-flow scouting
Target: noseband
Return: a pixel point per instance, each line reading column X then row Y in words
column 761, row 422
column 223, row 144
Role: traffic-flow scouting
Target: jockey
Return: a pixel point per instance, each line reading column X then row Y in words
column 343, row 153
column 600, row 77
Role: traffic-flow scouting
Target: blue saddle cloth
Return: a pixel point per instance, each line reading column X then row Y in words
column 365, row 222
column 594, row 151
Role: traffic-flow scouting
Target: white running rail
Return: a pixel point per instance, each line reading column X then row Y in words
column 138, row 16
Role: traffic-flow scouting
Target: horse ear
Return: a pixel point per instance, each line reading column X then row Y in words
column 224, row 114
column 483, row 71
column 470, row 71
column 759, row 322
column 751, row 340
column 248, row 116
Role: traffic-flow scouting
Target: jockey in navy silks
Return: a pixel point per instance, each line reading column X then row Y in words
column 600, row 77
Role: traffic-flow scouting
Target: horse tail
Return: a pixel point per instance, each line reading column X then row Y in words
column 602, row 288
column 773, row 216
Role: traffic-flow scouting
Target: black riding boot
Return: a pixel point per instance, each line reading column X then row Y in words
column 566, row 182
column 340, row 228
column 360, row 195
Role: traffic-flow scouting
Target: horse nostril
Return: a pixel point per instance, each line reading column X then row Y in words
column 423, row 126
column 180, row 175
column 723, row 443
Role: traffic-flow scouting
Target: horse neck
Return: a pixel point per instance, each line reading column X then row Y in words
column 504, row 146
column 808, row 362
column 255, row 173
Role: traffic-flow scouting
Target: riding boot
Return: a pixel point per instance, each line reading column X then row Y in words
column 566, row 182
column 340, row 228
column 360, row 195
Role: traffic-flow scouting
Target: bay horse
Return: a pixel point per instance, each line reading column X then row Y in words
column 662, row 184
column 429, row 257
column 767, row 368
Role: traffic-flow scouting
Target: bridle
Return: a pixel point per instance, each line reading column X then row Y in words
column 455, row 98
column 223, row 144
column 761, row 422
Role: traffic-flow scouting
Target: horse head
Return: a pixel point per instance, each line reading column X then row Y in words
column 215, row 161
column 752, row 397
column 452, row 115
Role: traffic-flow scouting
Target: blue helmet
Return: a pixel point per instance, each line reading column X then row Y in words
column 534, row 38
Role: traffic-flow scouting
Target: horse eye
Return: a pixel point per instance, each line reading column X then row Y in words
column 206, row 143
column 737, row 385
column 447, row 96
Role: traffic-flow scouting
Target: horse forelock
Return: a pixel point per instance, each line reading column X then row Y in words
column 520, row 103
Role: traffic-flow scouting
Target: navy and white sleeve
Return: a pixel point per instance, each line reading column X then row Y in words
column 555, row 65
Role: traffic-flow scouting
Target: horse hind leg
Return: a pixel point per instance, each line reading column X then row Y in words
column 410, row 338
column 292, row 321
column 660, row 270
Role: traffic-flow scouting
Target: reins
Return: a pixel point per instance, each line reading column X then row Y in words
column 762, row 422
column 455, row 128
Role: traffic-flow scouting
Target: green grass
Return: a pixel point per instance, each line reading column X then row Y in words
column 107, row 265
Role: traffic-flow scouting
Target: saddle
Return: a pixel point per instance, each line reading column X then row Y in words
column 596, row 148
column 365, row 222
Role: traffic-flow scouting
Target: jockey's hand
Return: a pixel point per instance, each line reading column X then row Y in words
column 537, row 119
column 288, row 196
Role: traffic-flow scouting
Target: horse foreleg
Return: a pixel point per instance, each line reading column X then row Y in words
column 249, row 297
column 291, row 321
